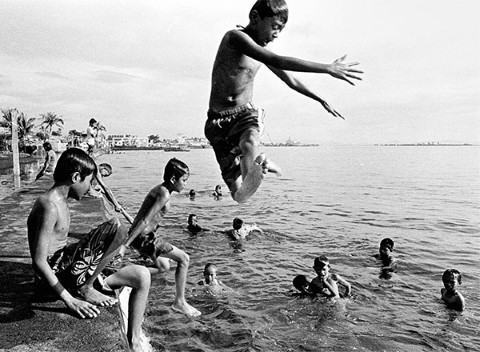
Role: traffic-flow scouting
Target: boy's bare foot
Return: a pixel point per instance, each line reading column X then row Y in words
column 252, row 181
column 270, row 166
column 186, row 309
column 95, row 297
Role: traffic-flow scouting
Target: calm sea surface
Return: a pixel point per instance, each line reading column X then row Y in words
column 336, row 201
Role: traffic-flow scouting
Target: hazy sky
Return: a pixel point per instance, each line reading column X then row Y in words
column 143, row 67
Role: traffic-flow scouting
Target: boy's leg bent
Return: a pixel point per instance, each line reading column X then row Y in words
column 138, row 278
column 183, row 260
column 91, row 256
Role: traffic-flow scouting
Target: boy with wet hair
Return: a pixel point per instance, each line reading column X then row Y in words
column 234, row 124
column 301, row 283
column 389, row 264
column 241, row 230
column 142, row 235
column 193, row 226
column 326, row 283
column 72, row 271
column 452, row 278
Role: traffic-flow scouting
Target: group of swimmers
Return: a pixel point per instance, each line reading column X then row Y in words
column 326, row 283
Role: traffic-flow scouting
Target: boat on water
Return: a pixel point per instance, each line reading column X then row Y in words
column 176, row 148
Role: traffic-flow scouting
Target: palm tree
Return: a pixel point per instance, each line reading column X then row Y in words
column 51, row 120
column 24, row 126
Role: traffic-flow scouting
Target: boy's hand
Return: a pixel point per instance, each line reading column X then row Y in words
column 329, row 109
column 83, row 308
column 343, row 71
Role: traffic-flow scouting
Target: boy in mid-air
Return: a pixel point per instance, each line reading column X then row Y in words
column 326, row 283
column 142, row 235
column 73, row 270
column 452, row 278
column 234, row 124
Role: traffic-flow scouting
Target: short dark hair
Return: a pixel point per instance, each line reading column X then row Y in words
column 47, row 145
column 270, row 8
column 449, row 273
column 237, row 223
column 92, row 121
column 190, row 217
column 209, row 265
column 106, row 166
column 299, row 282
column 73, row 160
column 175, row 168
column 388, row 243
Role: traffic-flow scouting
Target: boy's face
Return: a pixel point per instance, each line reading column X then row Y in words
column 210, row 274
column 80, row 187
column 193, row 220
column 385, row 252
column 104, row 172
column 180, row 183
column 451, row 283
column 322, row 271
column 268, row 29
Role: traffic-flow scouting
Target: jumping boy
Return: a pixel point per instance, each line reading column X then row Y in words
column 142, row 235
column 234, row 124
column 73, row 270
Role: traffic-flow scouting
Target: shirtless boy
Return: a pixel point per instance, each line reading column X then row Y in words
column 142, row 235
column 450, row 295
column 73, row 270
column 50, row 161
column 234, row 124
column 326, row 283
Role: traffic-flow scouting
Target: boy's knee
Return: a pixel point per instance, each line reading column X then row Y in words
column 142, row 276
column 185, row 259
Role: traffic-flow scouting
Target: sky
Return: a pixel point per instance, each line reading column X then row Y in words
column 144, row 67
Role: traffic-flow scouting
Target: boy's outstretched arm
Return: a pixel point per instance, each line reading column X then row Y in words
column 337, row 69
column 301, row 88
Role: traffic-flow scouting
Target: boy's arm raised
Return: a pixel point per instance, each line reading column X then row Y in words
column 337, row 69
column 41, row 266
column 301, row 88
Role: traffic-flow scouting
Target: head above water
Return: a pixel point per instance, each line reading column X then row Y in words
column 175, row 168
column 210, row 273
column 387, row 243
column 300, row 282
column 105, row 169
column 73, row 160
column 92, row 121
column 191, row 217
column 270, row 8
column 237, row 224
column 321, row 262
column 452, row 275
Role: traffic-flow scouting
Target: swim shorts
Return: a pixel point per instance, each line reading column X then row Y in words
column 74, row 264
column 151, row 245
column 224, row 129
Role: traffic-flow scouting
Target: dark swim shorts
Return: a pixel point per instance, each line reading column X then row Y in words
column 151, row 245
column 74, row 264
column 224, row 129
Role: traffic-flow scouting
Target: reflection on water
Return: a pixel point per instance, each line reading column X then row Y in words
column 340, row 202
column 28, row 171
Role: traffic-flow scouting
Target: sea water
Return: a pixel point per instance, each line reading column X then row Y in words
column 335, row 201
